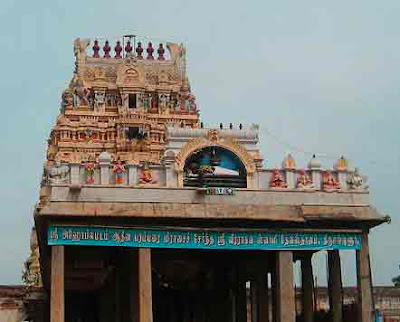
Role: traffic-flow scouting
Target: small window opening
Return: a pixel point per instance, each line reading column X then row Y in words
column 136, row 133
column 132, row 100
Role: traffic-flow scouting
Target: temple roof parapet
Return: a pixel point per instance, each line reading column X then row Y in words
column 245, row 134
column 104, row 169
column 129, row 65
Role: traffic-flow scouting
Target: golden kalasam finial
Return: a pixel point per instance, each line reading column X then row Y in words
column 342, row 164
column 289, row 163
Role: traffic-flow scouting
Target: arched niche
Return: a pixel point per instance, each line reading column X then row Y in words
column 214, row 166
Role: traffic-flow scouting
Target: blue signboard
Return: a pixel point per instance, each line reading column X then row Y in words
column 200, row 239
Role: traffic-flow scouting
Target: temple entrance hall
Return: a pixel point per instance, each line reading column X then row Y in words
column 104, row 284
column 197, row 285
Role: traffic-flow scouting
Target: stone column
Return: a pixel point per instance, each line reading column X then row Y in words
column 273, row 293
column 307, row 288
column 364, row 281
column 342, row 178
column 250, row 180
column 75, row 173
column 170, row 177
column 290, row 178
column 145, row 285
column 335, row 285
column 241, row 304
column 179, row 174
column 254, row 300
column 262, row 297
column 105, row 163
column 57, row 284
column 315, row 166
column 285, row 306
column 316, row 178
column 132, row 174
column 241, row 301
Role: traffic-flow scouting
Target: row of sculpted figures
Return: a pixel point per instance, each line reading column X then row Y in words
column 152, row 102
column 59, row 172
column 330, row 179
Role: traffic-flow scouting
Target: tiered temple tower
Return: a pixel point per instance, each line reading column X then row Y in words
column 145, row 214
column 122, row 104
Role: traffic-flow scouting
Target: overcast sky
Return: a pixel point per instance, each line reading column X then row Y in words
column 318, row 76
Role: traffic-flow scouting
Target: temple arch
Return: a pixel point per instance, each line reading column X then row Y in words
column 214, row 166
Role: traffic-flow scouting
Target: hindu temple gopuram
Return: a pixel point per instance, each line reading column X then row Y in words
column 146, row 214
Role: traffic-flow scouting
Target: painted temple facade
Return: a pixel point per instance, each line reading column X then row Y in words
column 146, row 214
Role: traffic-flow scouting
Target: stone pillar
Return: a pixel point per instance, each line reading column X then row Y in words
column 250, row 180
column 335, row 285
column 75, row 173
column 254, row 300
column 315, row 166
column 273, row 293
column 105, row 162
column 57, row 284
column 262, row 297
column 132, row 174
column 170, row 177
column 104, row 173
column 241, row 301
column 232, row 277
column 285, row 305
column 342, row 178
column 145, row 285
column 316, row 178
column 307, row 288
column 364, row 281
column 241, row 307
column 290, row 178
column 221, row 300
column 179, row 174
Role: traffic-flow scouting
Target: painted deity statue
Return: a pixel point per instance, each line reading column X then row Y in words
column 163, row 100
column 67, row 98
column 81, row 93
column 189, row 102
column 89, row 171
column 145, row 101
column 356, row 180
column 99, row 100
column 329, row 182
column 58, row 172
column 146, row 176
column 192, row 102
column 277, row 180
column 304, row 181
column 119, row 171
